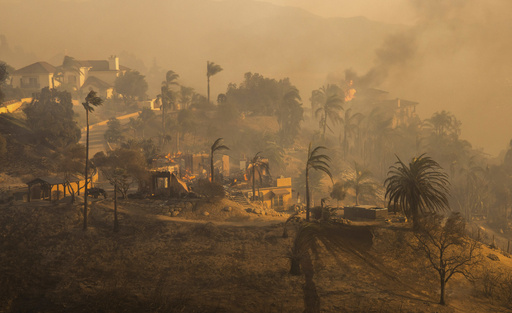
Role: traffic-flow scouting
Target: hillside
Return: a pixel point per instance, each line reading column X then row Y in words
column 157, row 264
column 183, row 35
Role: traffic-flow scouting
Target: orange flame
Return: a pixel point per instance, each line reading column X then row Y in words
column 349, row 91
column 349, row 94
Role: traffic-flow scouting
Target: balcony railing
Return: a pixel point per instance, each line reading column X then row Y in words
column 31, row 86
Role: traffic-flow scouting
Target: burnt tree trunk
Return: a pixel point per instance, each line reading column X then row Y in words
column 116, row 222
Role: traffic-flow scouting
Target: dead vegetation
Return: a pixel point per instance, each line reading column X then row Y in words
column 156, row 264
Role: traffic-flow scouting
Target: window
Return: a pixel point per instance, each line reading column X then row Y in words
column 278, row 201
column 162, row 182
column 32, row 81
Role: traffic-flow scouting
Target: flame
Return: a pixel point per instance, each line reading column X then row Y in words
column 349, row 92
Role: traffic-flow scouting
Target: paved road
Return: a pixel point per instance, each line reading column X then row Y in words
column 97, row 141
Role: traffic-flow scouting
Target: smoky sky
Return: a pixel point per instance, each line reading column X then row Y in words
column 446, row 55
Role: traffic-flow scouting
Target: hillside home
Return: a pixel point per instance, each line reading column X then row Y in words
column 34, row 77
column 277, row 197
column 79, row 75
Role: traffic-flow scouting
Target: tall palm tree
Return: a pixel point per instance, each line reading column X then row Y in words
column 257, row 165
column 211, row 69
column 329, row 103
column 420, row 187
column 318, row 162
column 217, row 146
column 167, row 95
column 361, row 182
column 91, row 101
column 350, row 124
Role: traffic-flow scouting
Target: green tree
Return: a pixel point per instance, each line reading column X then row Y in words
column 317, row 162
column 361, row 182
column 217, row 146
column 91, row 101
column 114, row 132
column 289, row 115
column 211, row 69
column 257, row 165
column 329, row 107
column 50, row 115
column 259, row 95
column 132, row 85
column 418, row 188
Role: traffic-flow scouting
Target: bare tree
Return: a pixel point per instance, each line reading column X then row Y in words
column 448, row 251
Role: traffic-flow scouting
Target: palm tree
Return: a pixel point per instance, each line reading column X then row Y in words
column 330, row 104
column 445, row 123
column 186, row 94
column 420, row 187
column 167, row 95
column 361, row 183
column 289, row 115
column 317, row 162
column 217, row 146
column 349, row 124
column 69, row 64
column 211, row 69
column 259, row 165
column 91, row 101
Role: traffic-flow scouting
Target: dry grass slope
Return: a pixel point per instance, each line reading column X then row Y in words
column 156, row 264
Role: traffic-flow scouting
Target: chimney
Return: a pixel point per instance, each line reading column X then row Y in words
column 113, row 63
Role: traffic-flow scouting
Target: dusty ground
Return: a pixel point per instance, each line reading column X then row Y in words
column 225, row 261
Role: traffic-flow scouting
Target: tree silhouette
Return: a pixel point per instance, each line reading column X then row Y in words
column 289, row 115
column 420, row 187
column 132, row 85
column 211, row 69
column 257, row 165
column 350, row 124
column 444, row 244
column 318, row 162
column 361, row 182
column 338, row 192
column 330, row 105
column 217, row 146
column 91, row 101
column 167, row 96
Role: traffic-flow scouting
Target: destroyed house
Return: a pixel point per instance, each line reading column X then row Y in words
column 365, row 212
